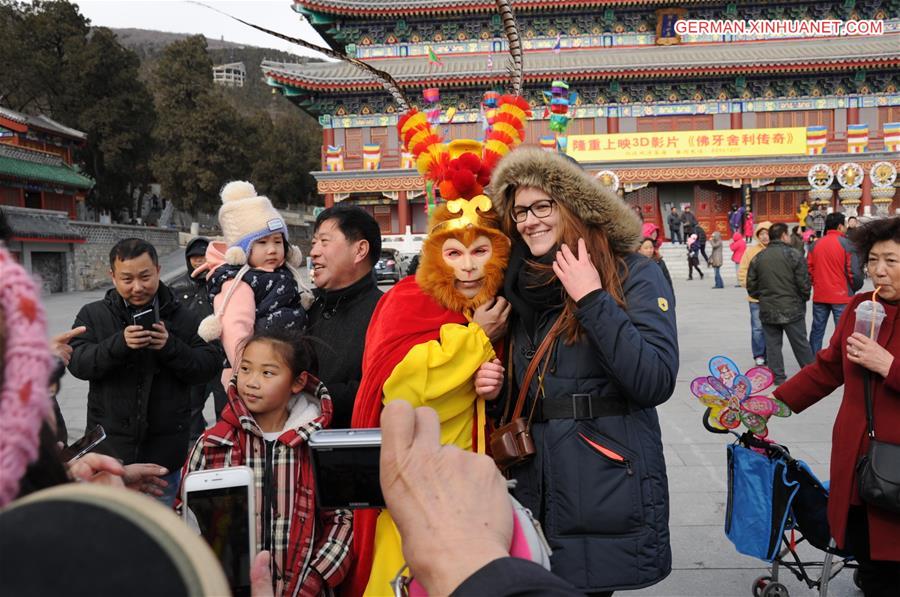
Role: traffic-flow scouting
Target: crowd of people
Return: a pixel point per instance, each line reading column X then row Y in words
column 545, row 301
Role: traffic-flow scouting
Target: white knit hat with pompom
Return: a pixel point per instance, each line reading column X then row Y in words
column 245, row 218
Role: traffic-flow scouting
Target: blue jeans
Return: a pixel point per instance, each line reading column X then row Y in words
column 169, row 493
column 821, row 311
column 719, row 282
column 757, row 338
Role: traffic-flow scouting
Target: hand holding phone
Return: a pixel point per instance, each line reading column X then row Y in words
column 159, row 335
column 136, row 337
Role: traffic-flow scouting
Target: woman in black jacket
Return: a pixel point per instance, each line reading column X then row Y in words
column 598, row 480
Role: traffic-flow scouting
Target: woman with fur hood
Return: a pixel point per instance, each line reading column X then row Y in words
column 597, row 482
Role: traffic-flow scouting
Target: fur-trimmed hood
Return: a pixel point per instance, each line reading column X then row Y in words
column 567, row 183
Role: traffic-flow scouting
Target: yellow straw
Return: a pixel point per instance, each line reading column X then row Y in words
column 874, row 313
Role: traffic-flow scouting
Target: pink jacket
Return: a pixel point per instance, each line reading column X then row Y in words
column 738, row 245
column 239, row 318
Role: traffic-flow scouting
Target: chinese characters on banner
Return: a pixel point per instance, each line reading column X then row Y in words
column 688, row 144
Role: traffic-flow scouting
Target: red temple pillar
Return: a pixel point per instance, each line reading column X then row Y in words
column 866, row 193
column 327, row 139
column 329, row 200
column 612, row 124
column 403, row 211
column 737, row 120
column 853, row 115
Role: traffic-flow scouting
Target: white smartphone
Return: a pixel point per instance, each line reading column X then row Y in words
column 345, row 463
column 219, row 505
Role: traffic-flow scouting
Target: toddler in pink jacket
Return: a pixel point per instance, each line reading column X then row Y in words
column 253, row 277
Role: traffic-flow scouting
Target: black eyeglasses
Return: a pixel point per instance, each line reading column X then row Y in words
column 541, row 209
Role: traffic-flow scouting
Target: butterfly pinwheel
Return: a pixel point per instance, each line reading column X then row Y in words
column 728, row 396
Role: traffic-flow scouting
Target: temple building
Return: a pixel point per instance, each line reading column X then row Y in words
column 40, row 193
column 705, row 120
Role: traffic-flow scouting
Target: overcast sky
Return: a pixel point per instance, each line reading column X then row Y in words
column 178, row 16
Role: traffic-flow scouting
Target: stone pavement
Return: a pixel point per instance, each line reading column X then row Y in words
column 710, row 322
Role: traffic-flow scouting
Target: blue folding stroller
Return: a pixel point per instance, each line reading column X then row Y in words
column 772, row 497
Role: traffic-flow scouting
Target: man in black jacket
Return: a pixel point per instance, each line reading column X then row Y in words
column 674, row 220
column 688, row 221
column 346, row 246
column 193, row 294
column 140, row 379
column 779, row 280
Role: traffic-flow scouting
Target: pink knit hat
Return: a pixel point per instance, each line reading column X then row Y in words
column 25, row 360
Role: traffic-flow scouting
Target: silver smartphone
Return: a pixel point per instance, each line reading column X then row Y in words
column 219, row 504
column 83, row 445
column 345, row 462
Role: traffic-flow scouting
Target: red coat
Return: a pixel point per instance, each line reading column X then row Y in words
column 738, row 246
column 849, row 440
column 833, row 270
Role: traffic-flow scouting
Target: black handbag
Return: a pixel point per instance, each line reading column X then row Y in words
column 878, row 471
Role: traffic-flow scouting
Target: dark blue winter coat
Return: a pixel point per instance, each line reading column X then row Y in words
column 598, row 484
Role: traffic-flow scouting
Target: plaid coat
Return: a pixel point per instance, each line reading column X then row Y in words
column 309, row 549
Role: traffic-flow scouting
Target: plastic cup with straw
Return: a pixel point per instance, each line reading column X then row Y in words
column 869, row 315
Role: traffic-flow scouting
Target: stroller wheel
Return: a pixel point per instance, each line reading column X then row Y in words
column 759, row 584
column 775, row 589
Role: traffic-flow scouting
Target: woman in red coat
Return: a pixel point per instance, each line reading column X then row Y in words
column 870, row 533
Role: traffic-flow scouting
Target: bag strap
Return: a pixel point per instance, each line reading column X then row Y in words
column 532, row 367
column 870, row 408
column 509, row 379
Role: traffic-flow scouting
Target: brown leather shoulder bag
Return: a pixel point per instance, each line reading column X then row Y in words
column 511, row 443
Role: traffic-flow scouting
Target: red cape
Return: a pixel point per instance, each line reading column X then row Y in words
column 404, row 317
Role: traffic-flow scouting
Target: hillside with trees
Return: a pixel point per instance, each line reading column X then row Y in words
column 151, row 111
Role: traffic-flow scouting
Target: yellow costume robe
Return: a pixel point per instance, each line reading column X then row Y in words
column 439, row 374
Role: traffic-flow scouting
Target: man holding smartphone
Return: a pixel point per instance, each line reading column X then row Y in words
column 141, row 354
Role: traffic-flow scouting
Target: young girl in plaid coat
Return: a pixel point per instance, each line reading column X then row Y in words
column 274, row 404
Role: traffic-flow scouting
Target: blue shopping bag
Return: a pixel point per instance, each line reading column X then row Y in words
column 759, row 500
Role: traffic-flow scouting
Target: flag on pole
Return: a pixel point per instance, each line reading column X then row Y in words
column 558, row 45
column 434, row 58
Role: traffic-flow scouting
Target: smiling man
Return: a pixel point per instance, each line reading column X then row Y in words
column 346, row 245
column 141, row 354
column 427, row 338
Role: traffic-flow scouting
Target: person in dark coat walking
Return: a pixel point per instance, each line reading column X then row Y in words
column 868, row 532
column 194, row 296
column 701, row 242
column 346, row 246
column 779, row 280
column 598, row 480
column 674, row 221
column 688, row 221
column 140, row 380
